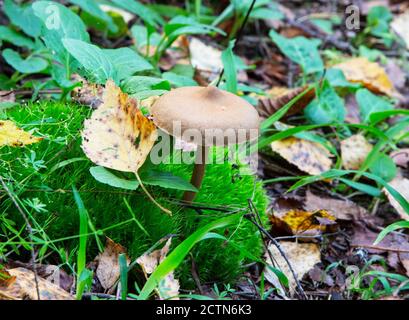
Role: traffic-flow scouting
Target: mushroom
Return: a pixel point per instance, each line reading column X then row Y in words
column 208, row 117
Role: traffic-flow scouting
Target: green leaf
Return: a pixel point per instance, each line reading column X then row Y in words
column 391, row 228
column 328, row 107
column 178, row 80
column 336, row 78
column 92, row 8
column 369, row 103
column 23, row 17
column 142, row 11
column 59, row 22
column 267, row 14
column 142, row 87
column 105, row 176
column 127, row 62
column 97, row 64
column 166, row 180
column 301, row 50
column 372, row 191
column 230, row 68
column 29, row 65
column 378, row 20
column 383, row 166
column 176, row 257
column 9, row 35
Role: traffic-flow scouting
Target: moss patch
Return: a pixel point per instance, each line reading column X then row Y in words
column 45, row 173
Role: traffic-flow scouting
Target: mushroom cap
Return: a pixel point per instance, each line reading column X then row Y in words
column 206, row 116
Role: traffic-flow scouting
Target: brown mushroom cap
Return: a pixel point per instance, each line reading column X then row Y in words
column 207, row 110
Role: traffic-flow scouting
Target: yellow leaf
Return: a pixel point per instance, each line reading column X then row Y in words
column 302, row 257
column 300, row 222
column 110, row 135
column 11, row 135
column 354, row 151
column 308, row 156
column 369, row 74
column 20, row 284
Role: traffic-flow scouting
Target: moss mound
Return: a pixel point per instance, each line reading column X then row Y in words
column 45, row 173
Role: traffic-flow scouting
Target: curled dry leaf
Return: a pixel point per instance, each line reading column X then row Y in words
column 302, row 256
column 169, row 286
column 280, row 96
column 108, row 270
column 354, row 151
column 369, row 74
column 300, row 222
column 340, row 209
column 401, row 26
column 401, row 185
column 19, row 283
column 11, row 135
column 308, row 156
column 89, row 94
column 110, row 136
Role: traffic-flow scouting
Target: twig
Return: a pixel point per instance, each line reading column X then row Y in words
column 30, row 231
column 368, row 246
column 195, row 275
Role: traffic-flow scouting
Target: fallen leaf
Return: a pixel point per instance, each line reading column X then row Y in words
column 302, row 256
column 340, row 209
column 280, row 96
column 405, row 263
column 169, row 286
column 89, row 94
column 301, row 222
column 308, row 156
column 206, row 59
column 369, row 74
column 11, row 135
column 354, row 151
column 20, row 284
column 7, row 96
column 401, row 157
column 108, row 270
column 110, row 135
column 353, row 113
column 401, row 185
column 401, row 26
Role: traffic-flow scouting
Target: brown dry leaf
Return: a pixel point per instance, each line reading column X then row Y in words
column 401, row 157
column 89, row 94
column 369, row 74
column 405, row 263
column 354, row 151
column 280, row 96
column 110, row 135
column 401, row 26
column 169, row 286
column 340, row 209
column 401, row 185
column 300, row 222
column 108, row 270
column 302, row 256
column 7, row 96
column 308, row 156
column 11, row 135
column 21, row 285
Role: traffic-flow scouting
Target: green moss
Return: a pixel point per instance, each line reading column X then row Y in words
column 35, row 174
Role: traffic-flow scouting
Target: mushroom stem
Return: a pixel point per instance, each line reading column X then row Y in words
column 198, row 173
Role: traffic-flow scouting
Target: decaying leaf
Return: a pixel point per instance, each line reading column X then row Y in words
column 110, row 136
column 89, row 94
column 340, row 209
column 354, row 151
column 169, row 286
column 206, row 59
column 108, row 270
column 11, row 135
column 308, row 156
column 280, row 96
column 7, row 96
column 302, row 256
column 19, row 284
column 301, row 222
column 369, row 74
column 401, row 26
column 401, row 157
column 401, row 185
